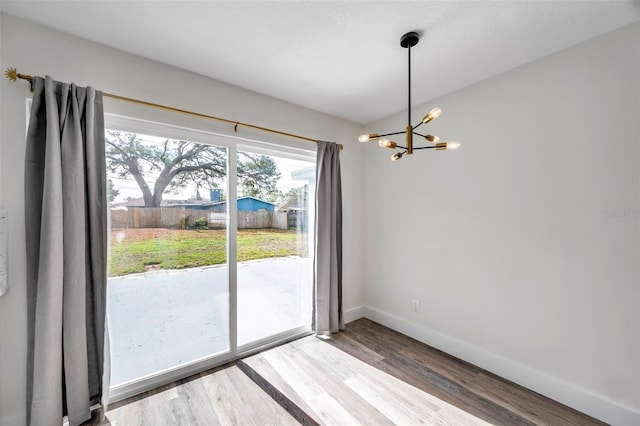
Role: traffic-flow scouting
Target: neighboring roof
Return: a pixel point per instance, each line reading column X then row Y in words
column 215, row 203
column 295, row 204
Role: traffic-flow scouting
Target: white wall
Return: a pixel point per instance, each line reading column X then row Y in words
column 33, row 49
column 523, row 246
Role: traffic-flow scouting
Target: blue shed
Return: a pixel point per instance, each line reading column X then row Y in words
column 251, row 204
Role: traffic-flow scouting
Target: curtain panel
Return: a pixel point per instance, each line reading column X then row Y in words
column 328, row 250
column 66, row 225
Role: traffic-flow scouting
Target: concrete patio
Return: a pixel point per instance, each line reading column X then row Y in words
column 164, row 318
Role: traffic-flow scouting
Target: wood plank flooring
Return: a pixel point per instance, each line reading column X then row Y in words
column 368, row 375
column 465, row 386
column 223, row 397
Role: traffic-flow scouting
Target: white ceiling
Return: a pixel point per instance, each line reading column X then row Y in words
column 338, row 57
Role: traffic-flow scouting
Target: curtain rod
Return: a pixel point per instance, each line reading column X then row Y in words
column 13, row 75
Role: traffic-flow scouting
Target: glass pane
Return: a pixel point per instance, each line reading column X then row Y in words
column 168, row 293
column 275, row 250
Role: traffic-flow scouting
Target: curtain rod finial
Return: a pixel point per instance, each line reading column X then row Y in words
column 11, row 74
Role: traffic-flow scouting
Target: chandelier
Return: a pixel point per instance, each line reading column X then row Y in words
column 407, row 41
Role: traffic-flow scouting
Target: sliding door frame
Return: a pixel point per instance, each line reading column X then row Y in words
column 232, row 144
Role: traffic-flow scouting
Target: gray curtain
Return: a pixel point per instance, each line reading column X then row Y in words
column 66, row 224
column 328, row 251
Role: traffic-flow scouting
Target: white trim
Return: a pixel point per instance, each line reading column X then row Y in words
column 552, row 387
column 267, row 148
column 170, row 375
column 284, row 336
column 353, row 314
column 232, row 246
column 154, row 128
column 163, row 377
column 149, row 127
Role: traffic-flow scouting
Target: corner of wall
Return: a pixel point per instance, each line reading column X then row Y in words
column 354, row 314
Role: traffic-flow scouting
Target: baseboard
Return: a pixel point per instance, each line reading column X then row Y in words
column 554, row 388
column 353, row 314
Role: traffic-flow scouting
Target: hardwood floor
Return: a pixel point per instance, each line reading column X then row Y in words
column 223, row 397
column 367, row 375
column 465, row 386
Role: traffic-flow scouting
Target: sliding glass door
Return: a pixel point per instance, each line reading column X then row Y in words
column 210, row 250
column 168, row 287
column 275, row 245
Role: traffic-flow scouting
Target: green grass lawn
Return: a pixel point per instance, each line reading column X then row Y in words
column 138, row 250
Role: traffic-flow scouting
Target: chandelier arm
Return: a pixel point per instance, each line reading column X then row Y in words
column 425, row 147
column 419, row 134
column 391, row 134
column 418, row 125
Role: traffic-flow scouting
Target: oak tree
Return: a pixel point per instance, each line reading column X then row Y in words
column 172, row 164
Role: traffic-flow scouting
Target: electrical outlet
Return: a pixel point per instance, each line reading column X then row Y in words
column 415, row 305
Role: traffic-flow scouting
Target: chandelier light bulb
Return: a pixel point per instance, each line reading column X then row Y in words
column 433, row 114
column 386, row 143
column 441, row 146
column 453, row 145
column 396, row 156
column 432, row 138
column 367, row 138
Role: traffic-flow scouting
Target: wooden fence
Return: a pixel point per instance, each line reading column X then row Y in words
column 297, row 219
column 187, row 218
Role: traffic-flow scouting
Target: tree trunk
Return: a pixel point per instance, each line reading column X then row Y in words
column 146, row 192
column 158, row 189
